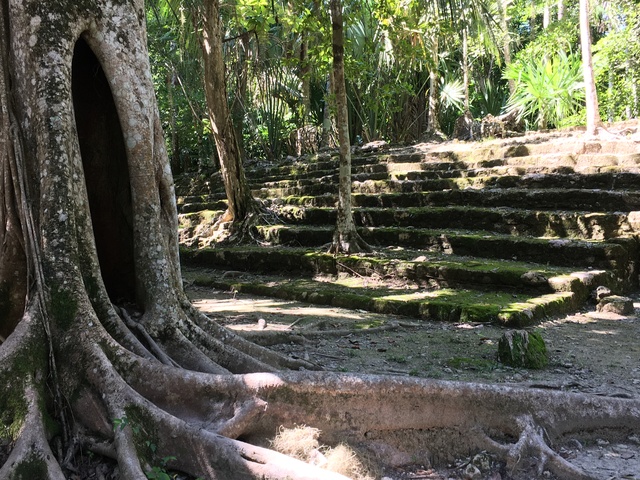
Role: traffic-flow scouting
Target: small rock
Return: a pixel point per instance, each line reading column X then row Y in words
column 262, row 324
column 616, row 304
column 602, row 292
column 482, row 461
column 520, row 348
column 471, row 472
column 534, row 278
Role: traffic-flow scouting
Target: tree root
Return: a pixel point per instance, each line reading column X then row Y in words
column 241, row 231
column 348, row 243
column 217, row 425
column 531, row 444
column 31, row 456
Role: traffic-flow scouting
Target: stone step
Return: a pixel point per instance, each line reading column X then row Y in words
column 527, row 147
column 619, row 256
column 407, row 267
column 416, row 182
column 513, row 308
column 504, row 220
column 533, row 199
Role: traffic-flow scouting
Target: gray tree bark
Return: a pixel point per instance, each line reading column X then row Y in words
column 100, row 334
column 591, row 95
column 346, row 238
column 242, row 209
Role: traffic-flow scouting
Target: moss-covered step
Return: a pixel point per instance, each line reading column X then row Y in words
column 450, row 305
column 420, row 268
column 537, row 200
column 301, row 171
column 420, row 182
column 616, row 255
column 521, row 177
column 505, row 220
column 548, row 199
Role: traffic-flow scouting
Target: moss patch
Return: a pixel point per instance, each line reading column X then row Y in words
column 519, row 348
column 30, row 468
column 64, row 306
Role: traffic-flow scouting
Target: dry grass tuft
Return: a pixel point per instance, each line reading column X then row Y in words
column 344, row 460
column 302, row 443
column 298, row 442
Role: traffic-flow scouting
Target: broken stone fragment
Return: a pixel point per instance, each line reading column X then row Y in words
column 520, row 348
column 602, row 292
column 534, row 278
column 616, row 304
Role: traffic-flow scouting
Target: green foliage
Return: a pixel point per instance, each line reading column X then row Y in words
column 176, row 69
column 616, row 65
column 548, row 91
column 389, row 52
column 160, row 473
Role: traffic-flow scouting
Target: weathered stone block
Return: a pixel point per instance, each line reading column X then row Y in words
column 520, row 348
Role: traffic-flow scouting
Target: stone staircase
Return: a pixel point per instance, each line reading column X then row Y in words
column 509, row 231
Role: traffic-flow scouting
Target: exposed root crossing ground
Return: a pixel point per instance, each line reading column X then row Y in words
column 590, row 352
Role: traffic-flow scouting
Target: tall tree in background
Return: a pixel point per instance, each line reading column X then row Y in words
column 346, row 238
column 591, row 95
column 242, row 210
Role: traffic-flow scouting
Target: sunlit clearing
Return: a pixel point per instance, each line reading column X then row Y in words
column 270, row 306
column 605, row 332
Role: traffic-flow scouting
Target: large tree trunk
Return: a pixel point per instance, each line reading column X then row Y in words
column 346, row 238
column 104, row 335
column 242, row 209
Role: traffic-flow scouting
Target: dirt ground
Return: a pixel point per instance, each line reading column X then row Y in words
column 597, row 353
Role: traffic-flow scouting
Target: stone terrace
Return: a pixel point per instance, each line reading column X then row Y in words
column 508, row 231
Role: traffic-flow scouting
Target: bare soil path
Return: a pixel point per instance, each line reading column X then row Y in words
column 592, row 352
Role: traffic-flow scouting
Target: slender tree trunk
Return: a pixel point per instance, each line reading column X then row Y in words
column 506, row 42
column 346, row 238
column 546, row 15
column 305, row 78
column 433, row 124
column 465, row 66
column 241, row 205
column 533, row 20
column 561, row 9
column 329, row 105
column 239, row 100
column 591, row 96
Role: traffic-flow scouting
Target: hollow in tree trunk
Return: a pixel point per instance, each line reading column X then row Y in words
column 98, row 332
